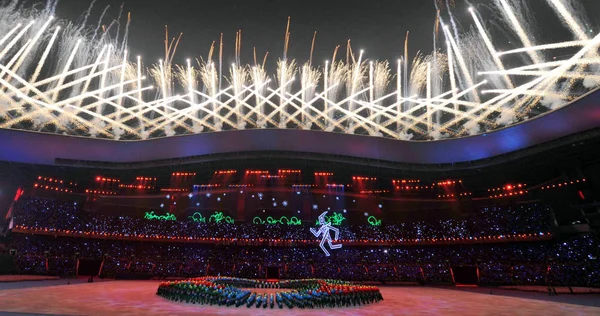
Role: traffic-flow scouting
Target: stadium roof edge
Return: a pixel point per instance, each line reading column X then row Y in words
column 542, row 133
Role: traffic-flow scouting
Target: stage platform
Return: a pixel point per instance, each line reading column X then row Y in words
column 138, row 298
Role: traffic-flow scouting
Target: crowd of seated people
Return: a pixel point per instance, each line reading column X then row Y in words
column 572, row 262
column 43, row 213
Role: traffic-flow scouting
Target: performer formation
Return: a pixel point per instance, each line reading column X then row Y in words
column 307, row 293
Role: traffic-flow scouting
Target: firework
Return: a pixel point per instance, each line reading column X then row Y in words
column 56, row 78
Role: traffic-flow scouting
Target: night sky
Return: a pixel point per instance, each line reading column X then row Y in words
column 379, row 26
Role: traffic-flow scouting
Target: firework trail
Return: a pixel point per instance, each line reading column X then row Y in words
column 260, row 79
column 309, row 79
column 286, row 71
column 77, row 79
column 238, row 76
column 355, row 77
column 381, row 76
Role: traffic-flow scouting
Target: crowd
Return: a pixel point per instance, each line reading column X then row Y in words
column 42, row 213
column 573, row 262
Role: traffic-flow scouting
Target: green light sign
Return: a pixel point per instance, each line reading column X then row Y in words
column 335, row 219
column 283, row 220
column 167, row 217
column 198, row 218
column 219, row 218
column 373, row 221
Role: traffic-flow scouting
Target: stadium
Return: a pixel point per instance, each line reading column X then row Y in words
column 463, row 181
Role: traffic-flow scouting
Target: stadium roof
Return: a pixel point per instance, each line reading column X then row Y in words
column 38, row 148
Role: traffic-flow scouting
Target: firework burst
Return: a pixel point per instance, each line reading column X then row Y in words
column 77, row 79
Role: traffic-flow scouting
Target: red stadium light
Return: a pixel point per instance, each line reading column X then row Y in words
column 560, row 185
column 364, row 178
column 206, row 185
column 183, row 174
column 103, row 179
column 226, row 171
column 257, row 172
column 405, row 181
column 272, row 177
column 288, row 171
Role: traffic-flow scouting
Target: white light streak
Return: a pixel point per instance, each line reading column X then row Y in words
column 68, row 82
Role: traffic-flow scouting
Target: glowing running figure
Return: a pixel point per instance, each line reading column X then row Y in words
column 324, row 230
